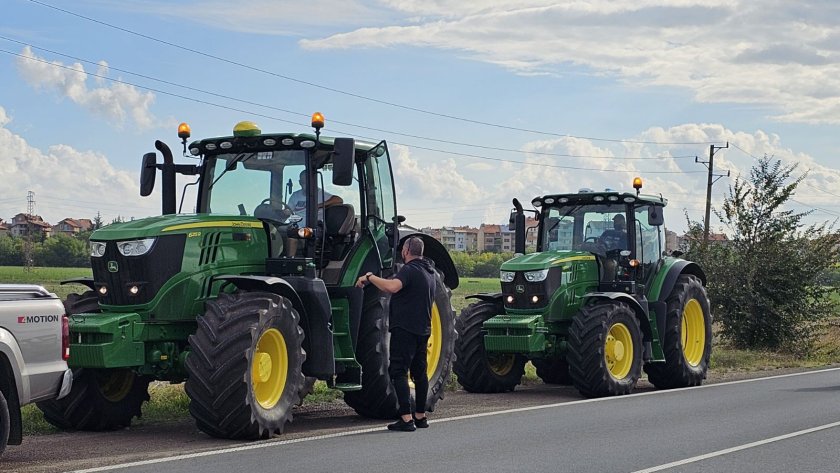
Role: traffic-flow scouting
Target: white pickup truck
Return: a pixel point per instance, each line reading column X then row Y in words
column 34, row 347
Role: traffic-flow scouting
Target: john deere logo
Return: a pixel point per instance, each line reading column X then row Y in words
column 520, row 289
column 113, row 266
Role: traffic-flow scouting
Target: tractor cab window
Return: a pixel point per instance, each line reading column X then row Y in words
column 257, row 183
column 648, row 242
column 381, row 206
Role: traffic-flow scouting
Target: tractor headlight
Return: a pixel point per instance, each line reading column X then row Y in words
column 135, row 247
column 506, row 276
column 536, row 276
column 97, row 248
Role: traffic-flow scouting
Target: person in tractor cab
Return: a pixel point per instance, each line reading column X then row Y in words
column 297, row 204
column 614, row 240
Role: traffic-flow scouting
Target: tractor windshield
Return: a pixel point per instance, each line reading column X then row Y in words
column 239, row 183
column 598, row 228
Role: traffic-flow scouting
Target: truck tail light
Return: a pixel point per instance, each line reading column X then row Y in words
column 65, row 337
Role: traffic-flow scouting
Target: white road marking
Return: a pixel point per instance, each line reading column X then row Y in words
column 278, row 442
column 736, row 449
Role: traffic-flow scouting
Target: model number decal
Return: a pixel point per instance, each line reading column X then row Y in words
column 37, row 319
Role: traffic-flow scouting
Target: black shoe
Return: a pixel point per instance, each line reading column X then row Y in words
column 421, row 423
column 402, row 426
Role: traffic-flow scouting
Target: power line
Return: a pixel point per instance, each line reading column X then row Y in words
column 301, row 114
column 226, row 107
column 351, row 94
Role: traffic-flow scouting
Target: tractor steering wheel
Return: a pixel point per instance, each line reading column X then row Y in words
column 268, row 209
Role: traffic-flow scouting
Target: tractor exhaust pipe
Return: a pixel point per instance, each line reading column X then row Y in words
column 518, row 220
column 167, row 172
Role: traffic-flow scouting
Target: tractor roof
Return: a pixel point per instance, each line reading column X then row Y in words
column 588, row 196
column 258, row 141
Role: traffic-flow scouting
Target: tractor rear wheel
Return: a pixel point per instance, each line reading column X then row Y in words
column 245, row 366
column 100, row 399
column 477, row 371
column 687, row 341
column 377, row 398
column 554, row 371
column 605, row 349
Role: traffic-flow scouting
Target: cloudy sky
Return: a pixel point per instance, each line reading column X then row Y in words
column 480, row 101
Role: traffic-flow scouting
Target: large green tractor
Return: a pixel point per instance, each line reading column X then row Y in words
column 249, row 300
column 595, row 304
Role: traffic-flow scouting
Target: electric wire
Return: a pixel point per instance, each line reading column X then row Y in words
column 351, row 94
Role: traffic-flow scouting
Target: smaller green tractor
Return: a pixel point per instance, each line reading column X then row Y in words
column 595, row 304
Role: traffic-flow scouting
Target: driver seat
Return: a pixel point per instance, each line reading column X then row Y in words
column 339, row 230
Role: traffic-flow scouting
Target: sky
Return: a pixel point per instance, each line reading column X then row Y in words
column 479, row 101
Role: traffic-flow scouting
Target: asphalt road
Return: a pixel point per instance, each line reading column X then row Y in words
column 784, row 423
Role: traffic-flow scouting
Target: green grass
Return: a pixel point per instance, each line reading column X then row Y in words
column 50, row 278
column 470, row 286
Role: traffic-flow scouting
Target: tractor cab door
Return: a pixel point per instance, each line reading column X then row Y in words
column 381, row 208
column 648, row 245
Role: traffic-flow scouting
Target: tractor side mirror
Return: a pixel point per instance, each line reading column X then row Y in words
column 655, row 216
column 148, row 170
column 343, row 152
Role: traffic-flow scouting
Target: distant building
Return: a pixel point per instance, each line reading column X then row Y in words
column 4, row 229
column 22, row 223
column 490, row 238
column 72, row 226
column 672, row 241
column 466, row 239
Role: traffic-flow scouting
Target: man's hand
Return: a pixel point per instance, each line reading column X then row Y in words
column 364, row 279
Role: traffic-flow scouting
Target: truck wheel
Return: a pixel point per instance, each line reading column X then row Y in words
column 377, row 398
column 477, row 371
column 554, row 371
column 4, row 423
column 244, row 366
column 605, row 349
column 687, row 341
column 101, row 399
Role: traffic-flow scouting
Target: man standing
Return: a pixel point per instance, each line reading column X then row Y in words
column 413, row 292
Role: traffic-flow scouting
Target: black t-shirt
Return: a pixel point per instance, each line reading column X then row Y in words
column 614, row 239
column 411, row 306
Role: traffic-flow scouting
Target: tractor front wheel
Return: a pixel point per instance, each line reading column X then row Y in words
column 245, row 366
column 687, row 341
column 605, row 349
column 100, row 399
column 477, row 371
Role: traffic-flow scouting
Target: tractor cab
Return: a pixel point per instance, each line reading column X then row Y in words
column 621, row 230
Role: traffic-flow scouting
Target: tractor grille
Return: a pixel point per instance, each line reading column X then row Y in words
column 523, row 292
column 148, row 272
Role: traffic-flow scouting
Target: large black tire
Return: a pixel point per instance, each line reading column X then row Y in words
column 101, row 399
column 478, row 372
column 687, row 341
column 555, row 371
column 377, row 398
column 600, row 361
column 4, row 423
column 244, row 366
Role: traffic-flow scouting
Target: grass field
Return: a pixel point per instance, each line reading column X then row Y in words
column 50, row 278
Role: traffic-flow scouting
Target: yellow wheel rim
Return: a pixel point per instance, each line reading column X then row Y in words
column 501, row 364
column 269, row 368
column 693, row 332
column 116, row 385
column 618, row 351
column 435, row 343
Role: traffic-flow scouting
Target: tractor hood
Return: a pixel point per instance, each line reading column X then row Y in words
column 171, row 224
column 545, row 259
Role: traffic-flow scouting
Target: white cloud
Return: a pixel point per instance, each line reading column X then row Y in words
column 116, row 102
column 66, row 182
column 777, row 53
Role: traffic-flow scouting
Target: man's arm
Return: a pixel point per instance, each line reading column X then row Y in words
column 387, row 285
column 333, row 200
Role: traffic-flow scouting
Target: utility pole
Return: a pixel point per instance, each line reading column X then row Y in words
column 27, row 244
column 709, row 183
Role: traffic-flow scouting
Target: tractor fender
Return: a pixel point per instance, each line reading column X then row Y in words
column 83, row 281
column 312, row 302
column 640, row 311
column 677, row 269
column 435, row 251
column 487, row 297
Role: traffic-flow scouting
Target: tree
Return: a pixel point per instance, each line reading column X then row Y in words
column 63, row 251
column 97, row 221
column 767, row 284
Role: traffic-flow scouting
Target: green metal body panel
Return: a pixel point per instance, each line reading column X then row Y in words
column 515, row 334
column 655, row 289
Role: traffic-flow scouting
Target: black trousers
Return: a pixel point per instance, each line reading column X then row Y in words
column 408, row 352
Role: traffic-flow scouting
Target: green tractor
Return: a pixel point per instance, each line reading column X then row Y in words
column 595, row 304
column 249, row 300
